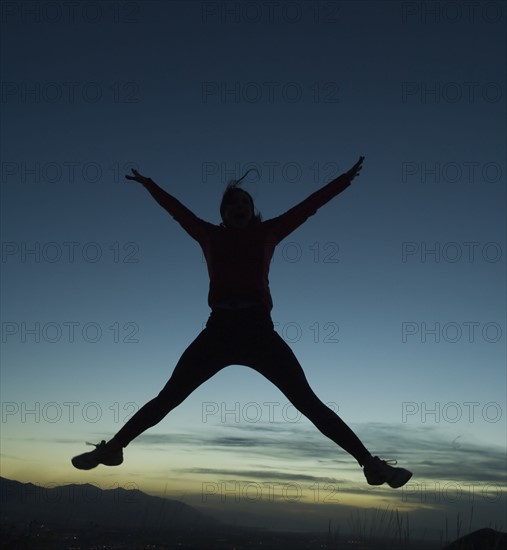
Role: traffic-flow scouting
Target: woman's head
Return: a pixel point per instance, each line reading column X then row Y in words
column 237, row 206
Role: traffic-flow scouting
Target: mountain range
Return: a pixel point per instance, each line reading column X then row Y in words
column 76, row 506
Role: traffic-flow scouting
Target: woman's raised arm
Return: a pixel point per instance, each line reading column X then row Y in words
column 185, row 217
column 162, row 197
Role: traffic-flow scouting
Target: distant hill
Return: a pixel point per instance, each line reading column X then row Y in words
column 75, row 506
column 483, row 539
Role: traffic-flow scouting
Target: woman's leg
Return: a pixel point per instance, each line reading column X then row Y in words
column 278, row 364
column 205, row 356
column 200, row 361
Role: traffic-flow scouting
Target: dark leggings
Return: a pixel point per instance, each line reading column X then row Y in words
column 242, row 337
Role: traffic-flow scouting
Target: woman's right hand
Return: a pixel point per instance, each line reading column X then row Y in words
column 355, row 170
column 138, row 177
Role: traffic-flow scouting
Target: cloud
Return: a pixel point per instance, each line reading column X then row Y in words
column 428, row 450
column 259, row 474
column 431, row 452
column 3, row 456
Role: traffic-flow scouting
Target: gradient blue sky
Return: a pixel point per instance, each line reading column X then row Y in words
column 392, row 296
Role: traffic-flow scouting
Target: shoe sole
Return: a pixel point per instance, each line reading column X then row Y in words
column 80, row 466
column 399, row 479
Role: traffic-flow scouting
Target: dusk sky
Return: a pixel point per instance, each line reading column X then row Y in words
column 392, row 295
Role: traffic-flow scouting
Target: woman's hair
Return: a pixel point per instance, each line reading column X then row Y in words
column 232, row 187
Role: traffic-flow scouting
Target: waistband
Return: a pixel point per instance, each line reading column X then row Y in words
column 244, row 310
column 237, row 304
column 255, row 315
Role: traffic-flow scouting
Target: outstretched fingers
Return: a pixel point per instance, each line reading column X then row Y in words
column 354, row 171
column 137, row 177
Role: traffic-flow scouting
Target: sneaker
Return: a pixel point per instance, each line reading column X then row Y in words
column 103, row 454
column 379, row 471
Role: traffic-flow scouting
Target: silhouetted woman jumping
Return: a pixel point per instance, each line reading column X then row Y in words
column 239, row 329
